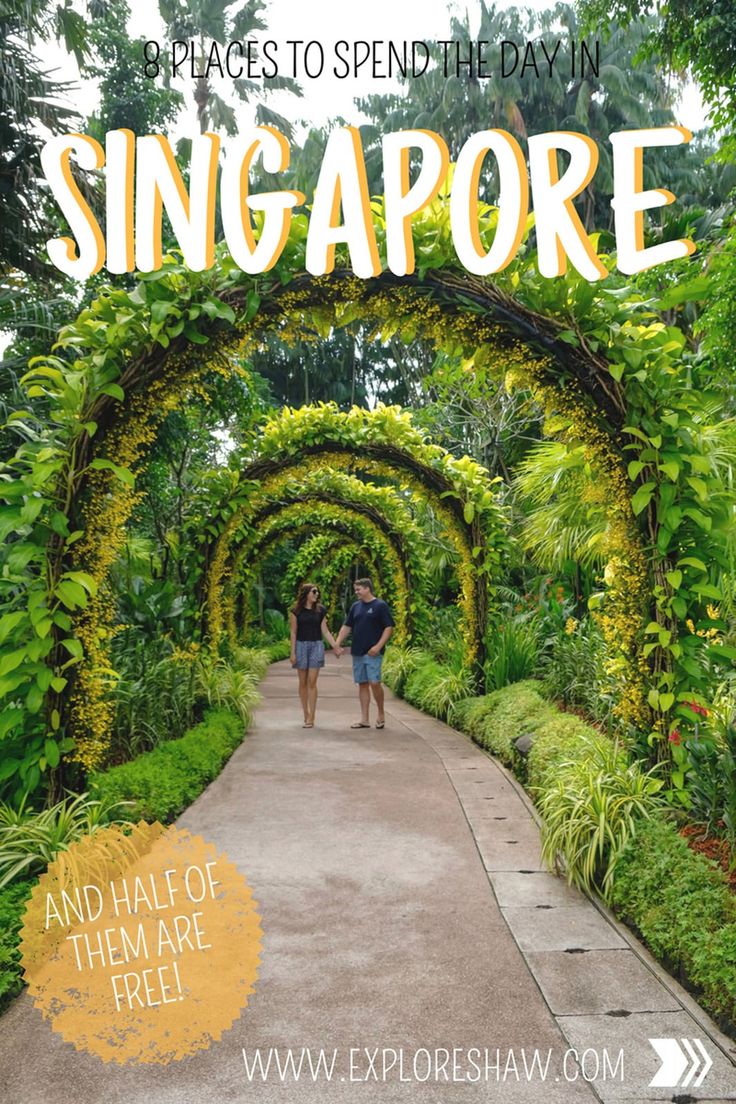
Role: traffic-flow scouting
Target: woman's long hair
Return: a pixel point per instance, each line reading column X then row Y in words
column 303, row 595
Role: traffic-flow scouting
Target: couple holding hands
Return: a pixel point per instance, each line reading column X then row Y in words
column 371, row 625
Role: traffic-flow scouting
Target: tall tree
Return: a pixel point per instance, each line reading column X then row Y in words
column 210, row 25
column 621, row 94
column 699, row 35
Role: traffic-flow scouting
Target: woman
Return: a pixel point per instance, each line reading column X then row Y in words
column 308, row 625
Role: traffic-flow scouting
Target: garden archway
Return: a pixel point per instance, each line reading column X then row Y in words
column 612, row 378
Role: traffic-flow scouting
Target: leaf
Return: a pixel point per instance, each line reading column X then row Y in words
column 674, row 578
column 671, row 469
column 114, row 390
column 9, row 621
column 642, row 498
column 83, row 578
column 699, row 486
column 123, row 474
column 11, row 660
column 692, row 561
column 51, row 750
column 701, row 520
column 666, row 701
column 10, row 719
column 71, row 594
column 707, row 590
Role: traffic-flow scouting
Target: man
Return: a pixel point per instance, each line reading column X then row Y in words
column 371, row 624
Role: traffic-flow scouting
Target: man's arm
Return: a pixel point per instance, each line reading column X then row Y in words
column 375, row 650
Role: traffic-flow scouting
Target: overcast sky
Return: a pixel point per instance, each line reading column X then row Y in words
column 328, row 21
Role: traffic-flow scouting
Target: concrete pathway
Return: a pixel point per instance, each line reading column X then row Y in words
column 405, row 911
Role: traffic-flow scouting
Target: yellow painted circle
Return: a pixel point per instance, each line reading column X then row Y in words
column 142, row 945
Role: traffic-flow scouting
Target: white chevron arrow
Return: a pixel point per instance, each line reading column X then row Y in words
column 708, row 1063
column 675, row 1061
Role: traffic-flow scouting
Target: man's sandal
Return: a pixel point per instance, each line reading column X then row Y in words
column 380, row 724
column 360, row 724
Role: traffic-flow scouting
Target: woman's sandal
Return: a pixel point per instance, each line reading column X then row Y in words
column 308, row 724
column 360, row 724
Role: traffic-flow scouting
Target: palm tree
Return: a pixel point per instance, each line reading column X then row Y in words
column 622, row 95
column 211, row 22
column 29, row 99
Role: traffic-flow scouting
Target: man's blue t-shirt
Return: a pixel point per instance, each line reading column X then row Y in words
column 367, row 620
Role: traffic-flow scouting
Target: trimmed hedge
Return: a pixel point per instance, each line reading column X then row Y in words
column 682, row 907
column 562, row 737
column 163, row 782
column 497, row 719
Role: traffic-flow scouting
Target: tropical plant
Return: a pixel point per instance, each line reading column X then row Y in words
column 512, row 650
column 154, row 693
column 711, row 783
column 573, row 669
column 399, row 663
column 699, row 36
column 622, row 94
column 230, row 687
column 212, row 25
column 590, row 811
column 564, row 507
column 30, row 840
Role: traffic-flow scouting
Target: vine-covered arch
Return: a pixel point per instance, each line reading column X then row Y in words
column 347, row 522
column 610, row 374
column 326, row 561
column 473, row 567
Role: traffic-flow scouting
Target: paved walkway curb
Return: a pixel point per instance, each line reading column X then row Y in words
column 404, row 907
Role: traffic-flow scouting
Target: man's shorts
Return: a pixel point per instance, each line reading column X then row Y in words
column 367, row 668
column 309, row 654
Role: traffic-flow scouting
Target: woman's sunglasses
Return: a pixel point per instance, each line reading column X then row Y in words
column 314, row 591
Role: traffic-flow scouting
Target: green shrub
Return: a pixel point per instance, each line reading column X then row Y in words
column 12, row 906
column 433, row 688
column 281, row 649
column 495, row 720
column 154, row 696
column 30, row 840
column 591, row 808
column 512, row 651
column 711, row 782
column 711, row 968
column 399, row 663
column 232, row 686
column 559, row 738
column 681, row 905
column 163, row 782
column 573, row 670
